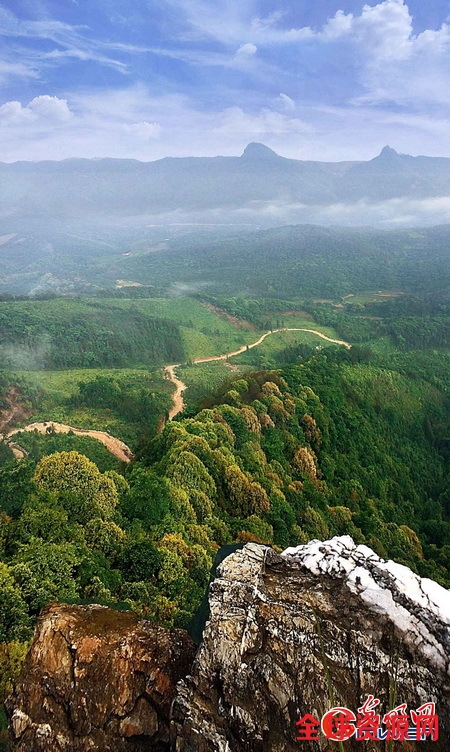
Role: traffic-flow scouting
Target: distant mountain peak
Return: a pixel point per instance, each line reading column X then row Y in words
column 387, row 153
column 255, row 150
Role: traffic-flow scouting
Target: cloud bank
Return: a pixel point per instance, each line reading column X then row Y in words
column 194, row 77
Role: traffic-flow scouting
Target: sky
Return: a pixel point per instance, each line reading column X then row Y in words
column 313, row 79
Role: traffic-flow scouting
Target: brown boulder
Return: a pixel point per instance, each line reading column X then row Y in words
column 97, row 679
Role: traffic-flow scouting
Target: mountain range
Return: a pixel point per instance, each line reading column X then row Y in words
column 87, row 187
column 65, row 224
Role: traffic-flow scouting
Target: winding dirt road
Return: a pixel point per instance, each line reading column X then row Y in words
column 118, row 448
column 177, row 396
column 180, row 386
column 115, row 446
column 18, row 452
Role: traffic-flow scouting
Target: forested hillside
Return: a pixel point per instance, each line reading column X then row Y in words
column 326, row 447
column 302, row 440
column 302, row 261
column 65, row 333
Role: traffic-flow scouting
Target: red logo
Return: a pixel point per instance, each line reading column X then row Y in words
column 339, row 724
column 397, row 723
column 368, row 722
column 426, row 722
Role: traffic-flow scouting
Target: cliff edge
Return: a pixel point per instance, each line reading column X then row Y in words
column 290, row 636
column 322, row 625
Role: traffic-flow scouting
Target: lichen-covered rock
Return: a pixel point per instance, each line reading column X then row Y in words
column 320, row 626
column 97, row 679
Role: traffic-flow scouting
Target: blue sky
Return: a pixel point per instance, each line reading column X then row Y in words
column 320, row 79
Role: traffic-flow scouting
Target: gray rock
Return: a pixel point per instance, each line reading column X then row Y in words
column 322, row 625
column 292, row 634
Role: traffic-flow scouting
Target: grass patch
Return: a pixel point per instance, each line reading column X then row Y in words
column 184, row 311
column 382, row 345
column 64, row 383
column 204, row 379
column 204, row 333
column 200, row 345
column 295, row 319
column 265, row 354
column 57, row 387
column 360, row 298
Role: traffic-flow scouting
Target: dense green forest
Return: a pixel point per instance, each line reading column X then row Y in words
column 70, row 333
column 301, row 261
column 131, row 399
column 412, row 322
column 292, row 261
column 333, row 444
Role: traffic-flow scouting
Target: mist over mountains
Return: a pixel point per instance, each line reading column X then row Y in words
column 250, row 184
column 63, row 224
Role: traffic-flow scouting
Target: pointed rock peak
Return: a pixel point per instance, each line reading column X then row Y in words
column 388, row 153
column 259, row 151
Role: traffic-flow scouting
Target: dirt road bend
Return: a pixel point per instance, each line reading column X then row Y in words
column 177, row 396
column 115, row 446
column 180, row 386
column 118, row 448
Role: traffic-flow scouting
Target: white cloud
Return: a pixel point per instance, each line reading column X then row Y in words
column 385, row 30
column 234, row 121
column 50, row 108
column 230, row 22
column 337, row 26
column 10, row 113
column 287, row 101
column 390, row 61
column 395, row 64
column 133, row 123
column 79, row 54
column 71, row 43
column 399, row 212
column 259, row 24
column 43, row 109
column 386, row 26
column 17, row 70
column 247, row 49
column 389, row 214
column 242, row 59
column 144, row 130
column 200, row 19
column 418, row 74
column 114, row 123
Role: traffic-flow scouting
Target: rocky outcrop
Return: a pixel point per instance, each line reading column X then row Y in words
column 320, row 626
column 97, row 679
